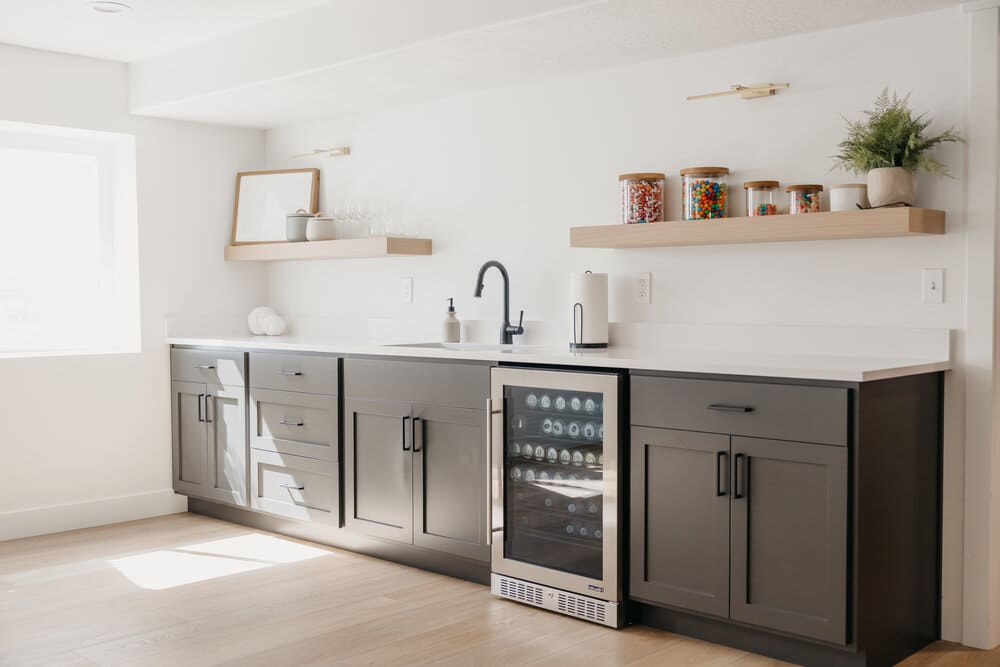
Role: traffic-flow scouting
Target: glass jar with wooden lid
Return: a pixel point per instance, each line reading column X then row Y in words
column 762, row 197
column 705, row 191
column 642, row 197
column 804, row 198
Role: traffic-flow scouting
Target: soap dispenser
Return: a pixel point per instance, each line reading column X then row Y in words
column 451, row 329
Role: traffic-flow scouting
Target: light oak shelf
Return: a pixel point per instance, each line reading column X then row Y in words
column 388, row 246
column 871, row 223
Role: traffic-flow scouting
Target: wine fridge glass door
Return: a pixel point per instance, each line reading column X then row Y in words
column 553, row 467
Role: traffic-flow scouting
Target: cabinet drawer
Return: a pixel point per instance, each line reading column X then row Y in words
column 295, row 487
column 294, row 423
column 208, row 366
column 780, row 412
column 309, row 373
column 429, row 383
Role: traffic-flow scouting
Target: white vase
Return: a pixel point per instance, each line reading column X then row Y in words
column 891, row 185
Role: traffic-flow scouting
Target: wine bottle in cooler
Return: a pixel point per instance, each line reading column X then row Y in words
column 544, row 402
column 560, row 403
column 574, row 430
column 552, row 455
column 593, row 507
column 590, row 406
column 531, row 400
column 573, row 506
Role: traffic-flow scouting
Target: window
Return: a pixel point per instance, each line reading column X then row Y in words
column 68, row 242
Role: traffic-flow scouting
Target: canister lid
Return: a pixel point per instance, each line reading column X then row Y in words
column 642, row 176
column 809, row 187
column 704, row 171
column 760, row 184
column 844, row 186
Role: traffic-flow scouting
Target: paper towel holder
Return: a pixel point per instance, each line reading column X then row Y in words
column 575, row 345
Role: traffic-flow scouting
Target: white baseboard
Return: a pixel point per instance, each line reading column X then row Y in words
column 89, row 513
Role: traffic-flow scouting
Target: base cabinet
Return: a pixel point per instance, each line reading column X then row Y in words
column 295, row 487
column 209, row 441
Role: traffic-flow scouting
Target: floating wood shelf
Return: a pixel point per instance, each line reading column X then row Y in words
column 871, row 223
column 340, row 249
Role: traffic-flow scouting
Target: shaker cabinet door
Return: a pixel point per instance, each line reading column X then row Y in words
column 449, row 480
column 789, row 537
column 680, row 519
column 378, row 469
column 225, row 416
column 189, row 435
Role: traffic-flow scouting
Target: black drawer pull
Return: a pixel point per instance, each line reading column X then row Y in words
column 205, row 367
column 292, row 373
column 291, row 422
column 293, row 486
column 727, row 407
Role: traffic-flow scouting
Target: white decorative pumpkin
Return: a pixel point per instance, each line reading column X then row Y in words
column 274, row 325
column 257, row 319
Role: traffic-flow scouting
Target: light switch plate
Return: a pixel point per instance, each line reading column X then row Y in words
column 406, row 290
column 644, row 287
column 933, row 286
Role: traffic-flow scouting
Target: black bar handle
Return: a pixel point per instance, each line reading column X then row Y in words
column 721, row 478
column 739, row 482
column 208, row 397
column 418, row 434
column 406, row 431
column 728, row 407
column 201, row 410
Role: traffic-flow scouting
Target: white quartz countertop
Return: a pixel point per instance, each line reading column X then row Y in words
column 844, row 368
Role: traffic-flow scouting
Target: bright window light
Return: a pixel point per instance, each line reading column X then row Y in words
column 68, row 251
column 169, row 568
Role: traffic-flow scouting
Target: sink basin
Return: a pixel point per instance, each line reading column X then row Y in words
column 470, row 347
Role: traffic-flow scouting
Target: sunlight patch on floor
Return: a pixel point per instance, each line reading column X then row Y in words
column 169, row 568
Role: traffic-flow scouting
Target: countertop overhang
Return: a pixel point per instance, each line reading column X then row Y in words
column 834, row 368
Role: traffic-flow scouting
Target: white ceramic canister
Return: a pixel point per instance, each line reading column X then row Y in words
column 849, row 197
column 295, row 225
column 321, row 228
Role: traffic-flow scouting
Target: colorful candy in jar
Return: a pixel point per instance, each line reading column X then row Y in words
column 804, row 198
column 762, row 197
column 705, row 192
column 642, row 197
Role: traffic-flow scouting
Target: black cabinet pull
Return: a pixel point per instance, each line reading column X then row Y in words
column 418, row 434
column 208, row 397
column 406, row 432
column 201, row 410
column 293, row 486
column 727, row 407
column 740, row 478
column 721, row 477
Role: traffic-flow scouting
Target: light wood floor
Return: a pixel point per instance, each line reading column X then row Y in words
column 187, row 590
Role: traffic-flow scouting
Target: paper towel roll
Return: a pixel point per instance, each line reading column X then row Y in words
column 588, row 292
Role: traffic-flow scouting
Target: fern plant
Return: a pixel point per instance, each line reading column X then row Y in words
column 890, row 136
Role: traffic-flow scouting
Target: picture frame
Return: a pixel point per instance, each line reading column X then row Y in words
column 263, row 199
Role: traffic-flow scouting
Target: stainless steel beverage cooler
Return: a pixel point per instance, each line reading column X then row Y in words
column 555, row 491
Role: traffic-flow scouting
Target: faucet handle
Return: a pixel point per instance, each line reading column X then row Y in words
column 520, row 322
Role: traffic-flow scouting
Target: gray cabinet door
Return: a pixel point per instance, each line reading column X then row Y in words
column 189, row 436
column 449, row 480
column 226, row 417
column 378, row 469
column 789, row 537
column 680, row 519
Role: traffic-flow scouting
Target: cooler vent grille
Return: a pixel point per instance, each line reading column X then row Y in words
column 521, row 591
column 581, row 607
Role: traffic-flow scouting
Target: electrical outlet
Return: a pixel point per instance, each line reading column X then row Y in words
column 933, row 286
column 644, row 287
column 406, row 290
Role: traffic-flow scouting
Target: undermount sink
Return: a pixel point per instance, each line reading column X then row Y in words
column 468, row 347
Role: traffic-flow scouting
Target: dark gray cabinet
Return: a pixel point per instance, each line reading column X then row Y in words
column 680, row 519
column 209, row 441
column 449, row 477
column 789, row 537
column 414, row 453
column 378, row 469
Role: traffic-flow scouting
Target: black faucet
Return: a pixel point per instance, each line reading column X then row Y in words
column 507, row 330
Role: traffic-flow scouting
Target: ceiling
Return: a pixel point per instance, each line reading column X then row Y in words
column 265, row 63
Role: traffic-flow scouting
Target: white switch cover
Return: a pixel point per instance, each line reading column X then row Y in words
column 933, row 289
column 644, row 287
column 406, row 290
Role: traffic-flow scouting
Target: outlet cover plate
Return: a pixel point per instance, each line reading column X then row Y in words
column 644, row 287
column 933, row 286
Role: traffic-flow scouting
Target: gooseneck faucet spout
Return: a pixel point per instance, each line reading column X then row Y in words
column 507, row 330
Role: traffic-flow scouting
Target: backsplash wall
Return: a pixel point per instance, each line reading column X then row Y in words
column 505, row 173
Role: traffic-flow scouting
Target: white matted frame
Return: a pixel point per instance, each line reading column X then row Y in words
column 264, row 198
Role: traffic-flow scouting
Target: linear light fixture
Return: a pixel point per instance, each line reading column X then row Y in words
column 746, row 92
column 338, row 151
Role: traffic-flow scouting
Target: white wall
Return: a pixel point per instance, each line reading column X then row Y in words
column 503, row 174
column 91, row 434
